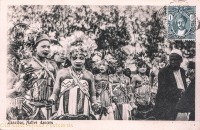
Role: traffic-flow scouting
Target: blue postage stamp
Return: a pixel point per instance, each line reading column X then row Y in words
column 181, row 22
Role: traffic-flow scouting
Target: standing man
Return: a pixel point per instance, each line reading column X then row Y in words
column 171, row 84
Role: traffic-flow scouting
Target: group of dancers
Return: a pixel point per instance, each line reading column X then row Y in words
column 42, row 89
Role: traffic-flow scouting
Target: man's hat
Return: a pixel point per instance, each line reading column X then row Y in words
column 40, row 38
column 177, row 51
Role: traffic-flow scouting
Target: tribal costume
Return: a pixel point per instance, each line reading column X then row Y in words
column 74, row 87
column 41, row 89
column 143, row 97
column 74, row 92
column 121, row 91
column 35, row 81
column 104, row 93
column 142, row 94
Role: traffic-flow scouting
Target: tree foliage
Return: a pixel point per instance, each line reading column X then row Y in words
column 112, row 27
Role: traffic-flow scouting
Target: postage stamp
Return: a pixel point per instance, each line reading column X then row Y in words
column 181, row 22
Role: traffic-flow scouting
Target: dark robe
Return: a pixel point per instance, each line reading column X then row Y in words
column 187, row 101
column 168, row 94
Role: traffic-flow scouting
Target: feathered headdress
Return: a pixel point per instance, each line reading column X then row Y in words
column 80, row 43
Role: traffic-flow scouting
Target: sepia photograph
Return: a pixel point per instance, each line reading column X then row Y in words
column 97, row 63
column 87, row 65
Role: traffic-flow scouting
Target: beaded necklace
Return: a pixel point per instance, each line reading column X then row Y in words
column 78, row 73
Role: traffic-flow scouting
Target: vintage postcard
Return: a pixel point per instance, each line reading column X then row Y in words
column 84, row 65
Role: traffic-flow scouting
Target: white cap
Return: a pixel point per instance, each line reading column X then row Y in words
column 177, row 51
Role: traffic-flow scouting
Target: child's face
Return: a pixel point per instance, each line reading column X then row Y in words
column 60, row 56
column 77, row 61
column 103, row 68
column 181, row 24
column 43, row 49
column 142, row 69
